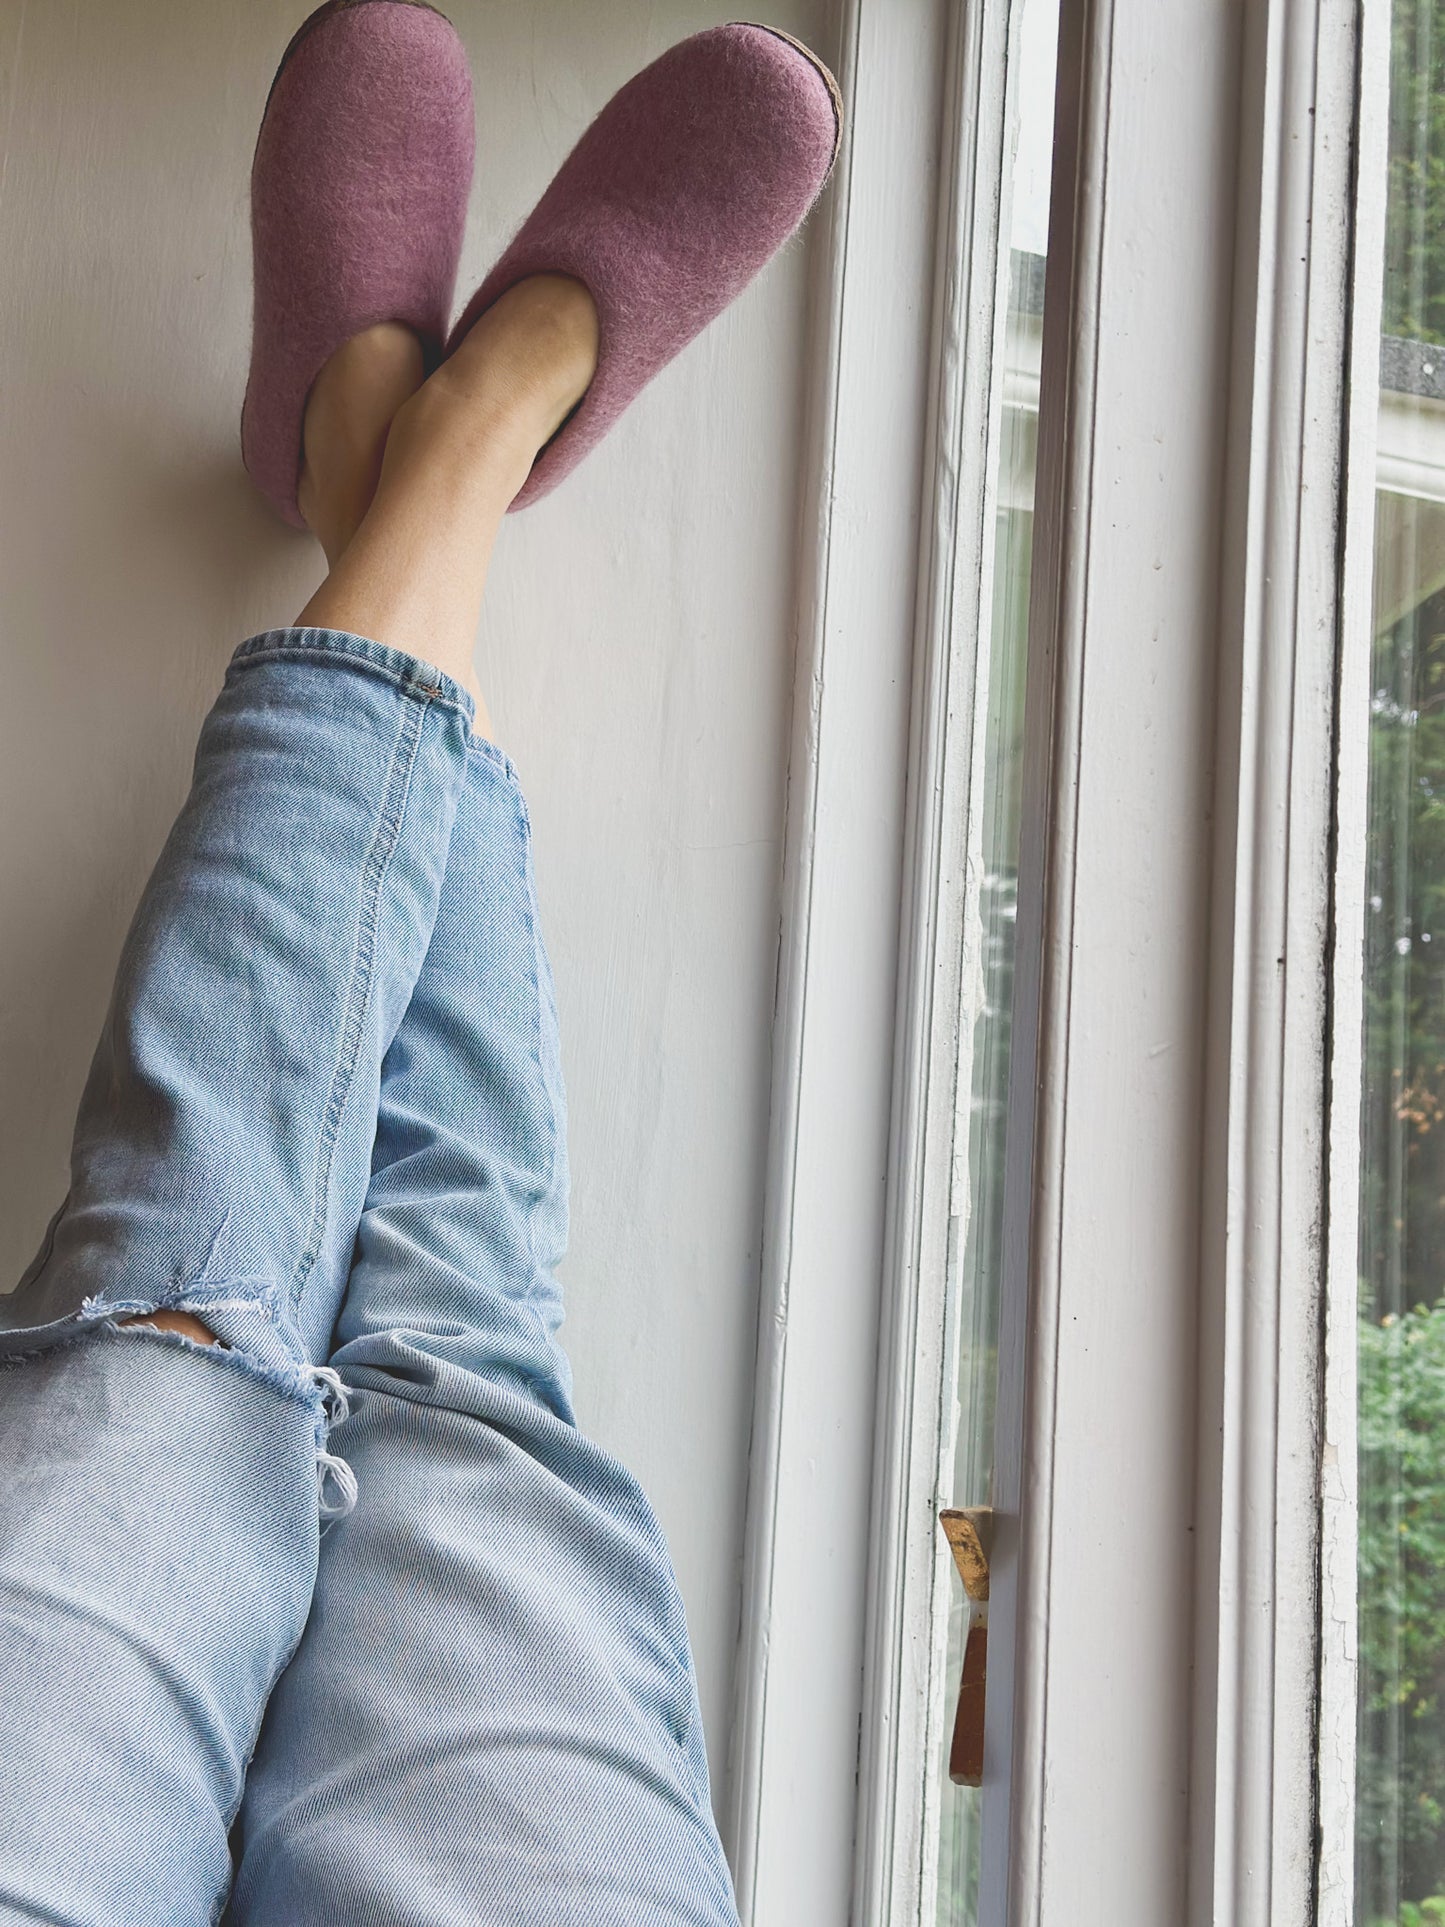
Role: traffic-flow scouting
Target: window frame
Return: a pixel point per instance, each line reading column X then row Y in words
column 1283, row 1100
column 1174, row 1495
column 908, row 1707
column 791, row 1805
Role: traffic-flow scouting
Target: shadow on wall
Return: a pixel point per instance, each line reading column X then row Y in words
column 136, row 575
column 135, row 553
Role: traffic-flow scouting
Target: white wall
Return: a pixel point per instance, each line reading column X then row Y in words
column 637, row 651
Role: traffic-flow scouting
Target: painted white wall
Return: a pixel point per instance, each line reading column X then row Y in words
column 637, row 650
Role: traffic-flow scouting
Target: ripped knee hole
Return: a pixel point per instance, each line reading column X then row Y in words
column 181, row 1322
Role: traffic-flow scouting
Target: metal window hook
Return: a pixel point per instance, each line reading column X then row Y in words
column 970, row 1537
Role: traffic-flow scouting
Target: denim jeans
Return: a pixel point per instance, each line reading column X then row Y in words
column 340, row 1620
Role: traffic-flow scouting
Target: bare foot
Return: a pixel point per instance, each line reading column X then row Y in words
column 348, row 414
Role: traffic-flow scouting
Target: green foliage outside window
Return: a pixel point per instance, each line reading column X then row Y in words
column 1400, row 1857
column 1414, row 291
column 1429, row 1913
column 1401, row 1776
column 1402, row 1556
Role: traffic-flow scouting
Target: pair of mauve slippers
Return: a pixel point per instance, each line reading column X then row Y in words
column 681, row 189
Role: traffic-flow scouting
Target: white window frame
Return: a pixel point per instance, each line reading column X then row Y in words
column 790, row 1810
column 1284, row 1040
column 907, row 1711
column 1174, row 1492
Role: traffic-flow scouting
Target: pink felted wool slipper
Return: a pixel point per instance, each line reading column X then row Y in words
column 358, row 200
column 677, row 194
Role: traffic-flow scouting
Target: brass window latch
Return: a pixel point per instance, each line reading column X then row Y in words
column 970, row 1537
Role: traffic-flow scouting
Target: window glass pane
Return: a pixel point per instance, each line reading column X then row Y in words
column 1400, row 1807
column 977, row 1203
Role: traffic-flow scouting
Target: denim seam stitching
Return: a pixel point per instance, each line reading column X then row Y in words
column 408, row 685
column 422, row 681
column 378, row 862
column 524, row 831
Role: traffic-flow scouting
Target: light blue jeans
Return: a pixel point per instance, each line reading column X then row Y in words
column 341, row 1620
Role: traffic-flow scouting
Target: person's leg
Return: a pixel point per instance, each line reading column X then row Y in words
column 158, row 1500
column 158, row 1506
column 348, row 416
column 492, row 1714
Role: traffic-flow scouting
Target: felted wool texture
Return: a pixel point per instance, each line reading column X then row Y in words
column 358, row 202
column 691, row 177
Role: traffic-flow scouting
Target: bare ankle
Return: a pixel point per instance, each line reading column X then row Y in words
column 455, row 455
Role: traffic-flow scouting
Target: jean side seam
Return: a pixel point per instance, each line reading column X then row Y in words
column 412, row 675
column 378, row 862
column 529, row 900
